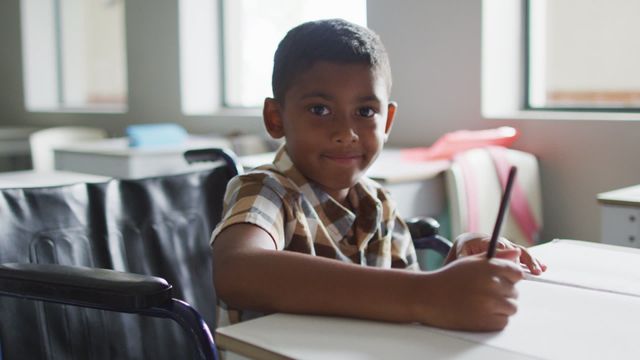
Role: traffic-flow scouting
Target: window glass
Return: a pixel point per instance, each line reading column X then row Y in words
column 199, row 56
column 583, row 54
column 74, row 54
column 251, row 32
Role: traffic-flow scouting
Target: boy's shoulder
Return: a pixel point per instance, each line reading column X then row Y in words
column 267, row 176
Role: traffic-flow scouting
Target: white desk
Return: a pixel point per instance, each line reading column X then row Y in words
column 32, row 178
column 417, row 187
column 284, row 336
column 553, row 322
column 620, row 216
column 114, row 157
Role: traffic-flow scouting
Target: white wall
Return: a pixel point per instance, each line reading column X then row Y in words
column 435, row 50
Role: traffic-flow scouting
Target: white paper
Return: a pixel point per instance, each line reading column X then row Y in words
column 563, row 322
column 590, row 265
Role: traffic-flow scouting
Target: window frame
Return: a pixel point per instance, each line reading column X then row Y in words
column 60, row 104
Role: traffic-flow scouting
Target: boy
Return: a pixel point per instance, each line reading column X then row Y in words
column 311, row 234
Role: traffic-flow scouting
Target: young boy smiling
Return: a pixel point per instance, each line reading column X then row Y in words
column 312, row 234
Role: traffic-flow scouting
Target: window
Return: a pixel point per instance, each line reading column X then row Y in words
column 199, row 54
column 583, row 55
column 251, row 30
column 74, row 55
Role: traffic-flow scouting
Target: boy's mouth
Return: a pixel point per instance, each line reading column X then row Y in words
column 344, row 159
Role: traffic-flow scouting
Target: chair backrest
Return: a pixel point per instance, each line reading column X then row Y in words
column 474, row 190
column 43, row 142
column 50, row 225
column 156, row 226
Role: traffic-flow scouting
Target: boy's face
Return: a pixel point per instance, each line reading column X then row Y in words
column 335, row 118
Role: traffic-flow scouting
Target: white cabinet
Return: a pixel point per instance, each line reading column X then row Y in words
column 620, row 214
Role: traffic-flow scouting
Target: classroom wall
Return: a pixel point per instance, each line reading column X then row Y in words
column 152, row 74
column 435, row 49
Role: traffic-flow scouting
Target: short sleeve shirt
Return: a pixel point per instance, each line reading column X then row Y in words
column 299, row 216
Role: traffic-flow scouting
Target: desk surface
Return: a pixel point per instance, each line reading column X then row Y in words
column 32, row 178
column 114, row 158
column 629, row 196
column 119, row 147
column 285, row 336
column 553, row 322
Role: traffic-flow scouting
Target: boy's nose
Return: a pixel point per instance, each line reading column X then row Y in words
column 345, row 134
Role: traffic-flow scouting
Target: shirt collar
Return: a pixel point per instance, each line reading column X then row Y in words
column 338, row 219
column 283, row 164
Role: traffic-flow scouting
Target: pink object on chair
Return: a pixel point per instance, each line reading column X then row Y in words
column 455, row 142
column 519, row 207
column 475, row 183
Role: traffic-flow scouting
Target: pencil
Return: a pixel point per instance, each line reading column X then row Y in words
column 503, row 209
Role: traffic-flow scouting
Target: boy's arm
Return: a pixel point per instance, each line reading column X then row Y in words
column 471, row 294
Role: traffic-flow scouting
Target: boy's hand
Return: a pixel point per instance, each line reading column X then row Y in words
column 475, row 293
column 477, row 243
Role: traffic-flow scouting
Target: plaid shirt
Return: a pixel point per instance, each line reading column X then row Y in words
column 299, row 216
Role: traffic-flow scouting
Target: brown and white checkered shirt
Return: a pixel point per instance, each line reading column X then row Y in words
column 301, row 217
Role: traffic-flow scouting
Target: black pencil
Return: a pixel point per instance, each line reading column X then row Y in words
column 503, row 209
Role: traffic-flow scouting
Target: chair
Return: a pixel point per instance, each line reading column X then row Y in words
column 110, row 246
column 474, row 184
column 43, row 142
column 106, row 290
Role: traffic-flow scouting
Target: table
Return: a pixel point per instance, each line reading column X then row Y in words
column 557, row 319
column 113, row 157
column 417, row 187
column 620, row 216
column 32, row 178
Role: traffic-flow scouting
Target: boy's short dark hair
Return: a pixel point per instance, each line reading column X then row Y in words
column 334, row 40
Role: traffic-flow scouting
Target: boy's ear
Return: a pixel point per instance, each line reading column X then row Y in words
column 391, row 115
column 272, row 117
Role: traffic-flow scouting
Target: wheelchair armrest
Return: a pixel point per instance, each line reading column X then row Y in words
column 424, row 232
column 107, row 290
column 81, row 286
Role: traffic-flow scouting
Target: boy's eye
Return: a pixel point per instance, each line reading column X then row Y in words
column 319, row 110
column 366, row 112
